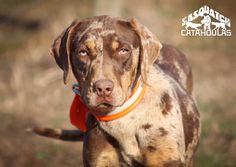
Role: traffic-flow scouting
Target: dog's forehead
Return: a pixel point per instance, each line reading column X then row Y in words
column 113, row 28
column 96, row 27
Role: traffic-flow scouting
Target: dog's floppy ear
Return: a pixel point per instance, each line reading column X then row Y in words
column 61, row 49
column 150, row 47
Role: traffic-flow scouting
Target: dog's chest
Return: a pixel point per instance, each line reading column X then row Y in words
column 140, row 128
column 124, row 132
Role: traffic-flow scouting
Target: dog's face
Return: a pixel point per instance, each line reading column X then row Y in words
column 107, row 55
column 105, row 61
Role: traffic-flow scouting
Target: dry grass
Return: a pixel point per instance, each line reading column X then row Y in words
column 32, row 91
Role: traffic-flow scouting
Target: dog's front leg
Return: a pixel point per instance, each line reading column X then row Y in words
column 97, row 150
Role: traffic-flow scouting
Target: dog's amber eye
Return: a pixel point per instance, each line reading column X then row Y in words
column 83, row 53
column 123, row 51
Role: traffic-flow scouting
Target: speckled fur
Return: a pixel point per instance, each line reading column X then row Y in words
column 164, row 129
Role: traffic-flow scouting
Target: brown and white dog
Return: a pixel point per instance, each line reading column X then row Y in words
column 109, row 56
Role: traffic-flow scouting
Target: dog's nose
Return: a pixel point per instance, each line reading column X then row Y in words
column 103, row 87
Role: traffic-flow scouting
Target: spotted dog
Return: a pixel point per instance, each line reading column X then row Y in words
column 109, row 57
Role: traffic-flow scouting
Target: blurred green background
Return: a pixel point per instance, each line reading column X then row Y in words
column 32, row 92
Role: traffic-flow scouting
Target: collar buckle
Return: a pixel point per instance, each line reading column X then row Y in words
column 76, row 89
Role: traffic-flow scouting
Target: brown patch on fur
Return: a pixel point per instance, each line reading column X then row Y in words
column 173, row 163
column 163, row 131
column 190, row 119
column 115, row 45
column 156, row 155
column 190, row 83
column 134, row 143
column 166, row 100
column 132, row 117
column 136, row 164
column 173, row 126
column 151, row 148
column 169, row 55
column 128, row 64
column 188, row 125
column 146, row 126
column 91, row 46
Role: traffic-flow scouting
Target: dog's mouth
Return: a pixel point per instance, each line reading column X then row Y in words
column 104, row 105
column 103, row 108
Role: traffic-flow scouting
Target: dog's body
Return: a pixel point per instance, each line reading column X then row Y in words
column 164, row 128
column 162, row 131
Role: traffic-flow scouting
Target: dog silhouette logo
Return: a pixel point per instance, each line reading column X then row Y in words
column 206, row 22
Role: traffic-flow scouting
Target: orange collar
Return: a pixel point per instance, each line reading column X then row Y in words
column 79, row 110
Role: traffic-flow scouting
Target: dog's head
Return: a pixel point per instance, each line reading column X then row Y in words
column 107, row 55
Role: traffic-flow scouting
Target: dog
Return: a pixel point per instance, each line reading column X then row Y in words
column 219, row 25
column 191, row 25
column 118, row 62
